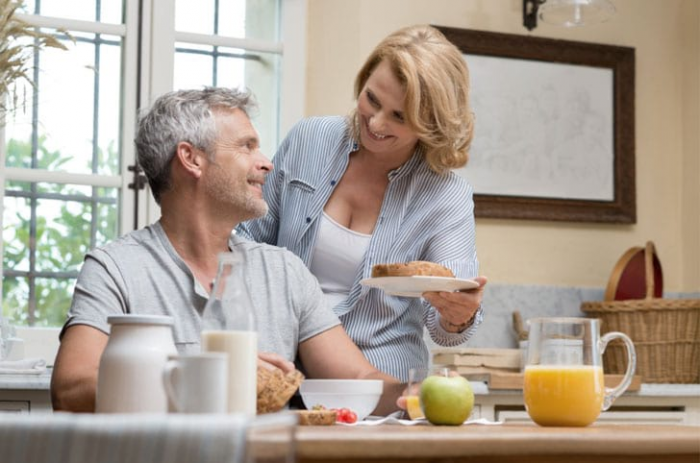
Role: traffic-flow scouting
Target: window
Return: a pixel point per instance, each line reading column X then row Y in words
column 67, row 155
column 232, row 44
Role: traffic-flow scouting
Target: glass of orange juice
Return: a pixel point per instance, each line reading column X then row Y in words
column 412, row 392
column 563, row 378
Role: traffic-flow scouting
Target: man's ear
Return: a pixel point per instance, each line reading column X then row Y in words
column 190, row 158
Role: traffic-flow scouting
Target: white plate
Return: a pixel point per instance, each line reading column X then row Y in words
column 416, row 286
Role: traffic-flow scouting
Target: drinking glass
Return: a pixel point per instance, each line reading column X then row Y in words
column 563, row 379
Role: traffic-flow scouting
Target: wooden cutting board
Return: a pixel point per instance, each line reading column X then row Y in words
column 514, row 381
column 479, row 357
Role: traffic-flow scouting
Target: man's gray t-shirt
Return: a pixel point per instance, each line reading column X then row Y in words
column 141, row 273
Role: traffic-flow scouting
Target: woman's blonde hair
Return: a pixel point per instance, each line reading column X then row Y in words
column 436, row 81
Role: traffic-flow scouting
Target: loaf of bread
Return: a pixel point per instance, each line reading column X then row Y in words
column 415, row 268
column 316, row 417
column 275, row 388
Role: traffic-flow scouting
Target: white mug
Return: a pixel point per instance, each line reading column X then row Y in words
column 197, row 383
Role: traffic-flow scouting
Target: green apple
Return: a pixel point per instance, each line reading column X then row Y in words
column 446, row 399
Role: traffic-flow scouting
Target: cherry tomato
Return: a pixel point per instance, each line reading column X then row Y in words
column 345, row 415
column 340, row 414
column 351, row 417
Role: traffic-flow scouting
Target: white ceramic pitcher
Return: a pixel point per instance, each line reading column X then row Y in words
column 129, row 379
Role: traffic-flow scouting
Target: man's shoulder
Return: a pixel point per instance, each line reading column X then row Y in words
column 262, row 252
column 251, row 248
column 129, row 246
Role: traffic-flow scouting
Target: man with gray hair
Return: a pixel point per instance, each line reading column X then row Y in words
column 201, row 156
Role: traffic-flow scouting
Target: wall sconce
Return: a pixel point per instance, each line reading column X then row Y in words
column 566, row 13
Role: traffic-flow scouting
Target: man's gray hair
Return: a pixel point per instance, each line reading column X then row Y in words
column 182, row 115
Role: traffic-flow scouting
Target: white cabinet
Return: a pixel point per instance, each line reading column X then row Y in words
column 25, row 401
column 25, row 393
column 652, row 404
column 14, row 406
column 609, row 417
column 671, row 404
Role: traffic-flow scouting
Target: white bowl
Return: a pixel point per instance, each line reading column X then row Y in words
column 359, row 395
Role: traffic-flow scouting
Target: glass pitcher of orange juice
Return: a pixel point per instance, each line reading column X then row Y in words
column 563, row 378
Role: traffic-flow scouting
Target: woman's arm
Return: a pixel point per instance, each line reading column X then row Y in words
column 458, row 310
column 451, row 318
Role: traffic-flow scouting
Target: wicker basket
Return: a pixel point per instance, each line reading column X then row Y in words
column 665, row 332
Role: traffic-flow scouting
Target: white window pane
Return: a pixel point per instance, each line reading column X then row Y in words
column 231, row 70
column 52, row 295
column 252, row 19
column 195, row 16
column 66, row 95
column 47, row 229
column 15, row 299
column 110, row 11
column 18, row 132
column 67, row 85
column 192, row 70
column 15, row 237
column 66, row 227
column 232, row 19
column 109, row 111
column 261, row 20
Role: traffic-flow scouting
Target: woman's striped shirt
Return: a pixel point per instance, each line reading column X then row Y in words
column 424, row 216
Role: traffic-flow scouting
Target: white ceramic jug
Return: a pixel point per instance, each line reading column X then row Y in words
column 130, row 375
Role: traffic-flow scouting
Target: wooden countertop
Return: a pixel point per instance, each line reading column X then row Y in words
column 502, row 443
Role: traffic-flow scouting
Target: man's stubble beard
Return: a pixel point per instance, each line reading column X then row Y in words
column 257, row 207
column 233, row 194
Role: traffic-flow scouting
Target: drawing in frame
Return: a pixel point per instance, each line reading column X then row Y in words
column 554, row 132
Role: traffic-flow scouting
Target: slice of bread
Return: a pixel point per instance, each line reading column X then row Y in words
column 415, row 268
column 316, row 417
column 275, row 388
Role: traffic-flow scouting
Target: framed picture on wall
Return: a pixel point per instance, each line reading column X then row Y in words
column 554, row 131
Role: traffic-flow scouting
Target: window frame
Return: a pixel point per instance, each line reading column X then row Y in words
column 148, row 53
column 157, row 68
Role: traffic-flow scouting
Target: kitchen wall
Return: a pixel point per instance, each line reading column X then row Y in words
column 544, row 256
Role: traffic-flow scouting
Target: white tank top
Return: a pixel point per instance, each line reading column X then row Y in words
column 337, row 254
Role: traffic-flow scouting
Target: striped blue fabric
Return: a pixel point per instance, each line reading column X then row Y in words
column 424, row 216
column 82, row 438
column 145, row 438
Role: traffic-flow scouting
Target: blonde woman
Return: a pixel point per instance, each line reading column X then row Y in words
column 347, row 193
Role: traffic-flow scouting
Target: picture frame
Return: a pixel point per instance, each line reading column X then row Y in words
column 554, row 128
